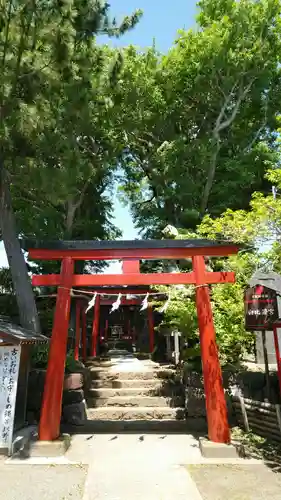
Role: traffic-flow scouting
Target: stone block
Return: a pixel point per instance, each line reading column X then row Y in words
column 36, row 382
column 72, row 397
column 73, row 381
column 209, row 449
column 193, row 379
column 50, row 448
column 75, row 414
column 195, row 402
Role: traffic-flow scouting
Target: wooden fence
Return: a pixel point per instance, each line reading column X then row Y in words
column 263, row 419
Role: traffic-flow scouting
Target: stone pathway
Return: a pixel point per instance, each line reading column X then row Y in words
column 141, row 467
column 137, row 467
column 122, row 361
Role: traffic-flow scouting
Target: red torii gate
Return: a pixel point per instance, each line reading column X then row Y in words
column 104, row 297
column 131, row 252
column 80, row 324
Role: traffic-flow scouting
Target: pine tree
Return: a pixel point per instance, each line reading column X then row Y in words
column 43, row 45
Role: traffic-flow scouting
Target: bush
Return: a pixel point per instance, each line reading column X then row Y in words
column 39, row 359
column 228, row 311
column 39, row 356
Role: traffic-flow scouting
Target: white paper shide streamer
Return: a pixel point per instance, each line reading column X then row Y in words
column 165, row 306
column 116, row 304
column 91, row 303
column 144, row 304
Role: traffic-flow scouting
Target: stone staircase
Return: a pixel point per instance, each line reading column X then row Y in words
column 149, row 398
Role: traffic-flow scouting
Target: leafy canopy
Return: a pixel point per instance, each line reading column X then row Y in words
column 204, row 121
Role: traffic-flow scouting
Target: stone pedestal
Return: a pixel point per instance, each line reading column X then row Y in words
column 209, row 449
column 50, row 448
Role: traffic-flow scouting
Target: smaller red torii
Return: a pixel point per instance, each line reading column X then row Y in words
column 131, row 252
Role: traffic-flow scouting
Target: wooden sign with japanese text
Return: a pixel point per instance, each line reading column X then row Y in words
column 9, row 369
column 261, row 309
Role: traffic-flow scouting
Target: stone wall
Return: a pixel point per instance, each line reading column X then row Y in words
column 249, row 384
column 195, row 395
column 252, row 385
column 73, row 408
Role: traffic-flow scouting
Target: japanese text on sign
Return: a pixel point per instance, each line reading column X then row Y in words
column 260, row 308
column 9, row 367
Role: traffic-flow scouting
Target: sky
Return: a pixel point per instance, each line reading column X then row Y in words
column 159, row 23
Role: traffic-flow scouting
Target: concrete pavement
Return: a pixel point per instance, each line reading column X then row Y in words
column 140, row 467
column 131, row 467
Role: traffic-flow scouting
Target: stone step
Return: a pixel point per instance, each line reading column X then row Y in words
column 109, row 392
column 106, row 374
column 163, row 426
column 98, row 364
column 135, row 413
column 117, row 383
column 135, row 401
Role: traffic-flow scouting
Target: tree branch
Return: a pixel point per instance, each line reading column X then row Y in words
column 7, row 34
column 230, row 120
column 72, row 207
column 222, row 124
column 259, row 131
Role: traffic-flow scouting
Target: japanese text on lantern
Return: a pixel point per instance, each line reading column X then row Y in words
column 9, row 367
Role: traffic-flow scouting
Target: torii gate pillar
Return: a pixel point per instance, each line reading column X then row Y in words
column 216, row 409
column 49, row 427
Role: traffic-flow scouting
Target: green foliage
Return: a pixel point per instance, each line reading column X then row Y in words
column 228, row 309
column 6, row 284
column 39, row 359
column 57, row 135
column 39, row 356
column 204, row 118
column 64, row 117
column 181, row 313
column 227, row 305
column 259, row 228
column 71, row 365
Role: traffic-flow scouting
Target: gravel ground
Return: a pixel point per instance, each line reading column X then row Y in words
column 41, row 482
column 236, row 482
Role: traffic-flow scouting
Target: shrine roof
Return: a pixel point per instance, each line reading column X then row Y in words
column 14, row 334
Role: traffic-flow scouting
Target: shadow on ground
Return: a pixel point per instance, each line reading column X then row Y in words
column 261, row 448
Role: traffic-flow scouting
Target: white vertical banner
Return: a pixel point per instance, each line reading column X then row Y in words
column 9, row 370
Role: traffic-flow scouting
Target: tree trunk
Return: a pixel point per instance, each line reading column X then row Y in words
column 23, row 290
column 71, row 208
column 210, row 179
